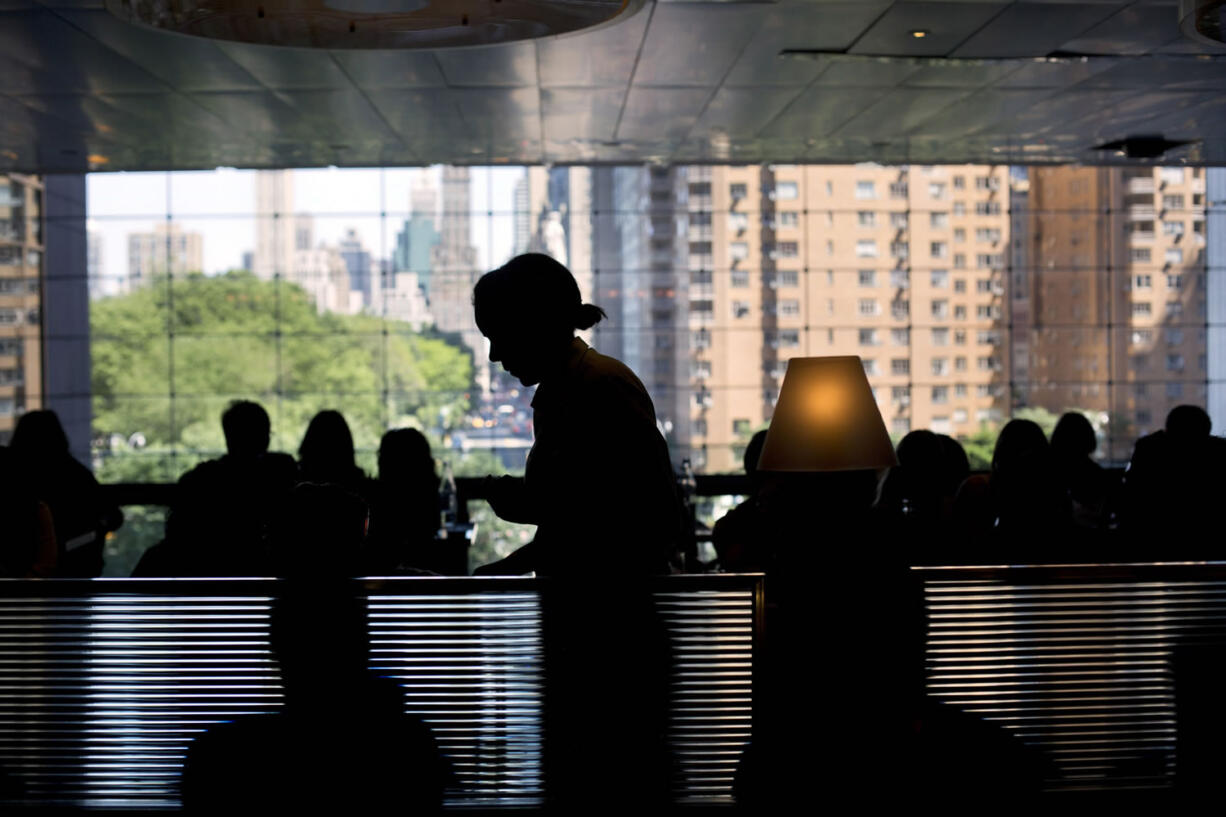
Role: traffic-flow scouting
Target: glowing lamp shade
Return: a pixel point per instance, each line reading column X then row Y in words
column 826, row 420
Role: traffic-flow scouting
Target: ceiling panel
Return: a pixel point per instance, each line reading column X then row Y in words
column 829, row 27
column 391, row 69
column 1035, row 29
column 674, row 81
column 185, row 63
column 694, row 44
column 604, row 58
column 661, row 114
column 490, row 66
column 946, row 26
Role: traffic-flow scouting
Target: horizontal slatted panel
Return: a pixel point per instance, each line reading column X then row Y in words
column 101, row 692
column 1076, row 662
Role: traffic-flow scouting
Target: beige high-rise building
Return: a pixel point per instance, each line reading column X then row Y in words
column 904, row 267
column 276, row 229
column 21, row 262
column 165, row 249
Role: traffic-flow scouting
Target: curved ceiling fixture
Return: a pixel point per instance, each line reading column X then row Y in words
column 394, row 24
column 1203, row 21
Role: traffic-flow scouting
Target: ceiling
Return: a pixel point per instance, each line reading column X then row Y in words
column 683, row 82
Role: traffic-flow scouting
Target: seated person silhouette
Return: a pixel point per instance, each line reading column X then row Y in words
column 27, row 549
column 217, row 523
column 404, row 511
column 1073, row 443
column 326, row 455
column 80, row 515
column 736, row 530
column 1175, row 480
column 342, row 743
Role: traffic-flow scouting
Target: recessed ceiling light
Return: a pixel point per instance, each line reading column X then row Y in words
column 919, row 33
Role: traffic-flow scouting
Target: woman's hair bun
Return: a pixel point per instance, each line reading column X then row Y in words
column 588, row 315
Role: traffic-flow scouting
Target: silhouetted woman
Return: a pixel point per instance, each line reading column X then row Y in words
column 27, row 546
column 79, row 513
column 600, row 487
column 1072, row 444
column 326, row 454
column 404, row 513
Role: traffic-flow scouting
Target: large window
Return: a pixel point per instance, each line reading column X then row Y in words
column 350, row 289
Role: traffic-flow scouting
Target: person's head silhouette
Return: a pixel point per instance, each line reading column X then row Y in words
column 39, row 434
column 1019, row 440
column 247, row 429
column 405, row 456
column 753, row 452
column 1073, row 436
column 326, row 453
column 920, row 451
column 529, row 308
column 1184, row 423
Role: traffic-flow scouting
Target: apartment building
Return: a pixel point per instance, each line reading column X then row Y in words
column 167, row 248
column 903, row 266
column 21, row 263
column 1119, row 318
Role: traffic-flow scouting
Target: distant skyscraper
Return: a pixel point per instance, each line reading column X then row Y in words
column 276, row 233
column 415, row 242
column 453, row 272
column 359, row 263
column 95, row 268
column 322, row 272
column 166, row 249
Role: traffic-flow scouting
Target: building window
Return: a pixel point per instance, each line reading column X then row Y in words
column 865, row 190
column 786, row 249
column 789, row 218
column 786, row 191
column 868, row 278
column 1170, row 175
column 1139, row 255
column 1174, row 255
column 959, row 337
column 900, row 394
column 959, row 208
column 1174, row 391
column 900, row 337
column 898, row 190
column 940, row 425
column 959, row 182
column 1172, row 228
column 1142, row 281
column 987, row 208
column 740, row 309
column 900, row 279
column 940, row 366
column 989, row 363
column 898, row 221
column 940, row 337
column 900, row 365
column 789, row 307
column 1174, row 308
column 900, row 426
column 987, row 234
column 1172, row 201
column 736, row 221
column 870, row 366
column 866, row 248
column 987, row 182
column 700, row 369
column 960, row 364
column 789, row 278
column 1140, row 337
column 739, row 278
column 987, row 311
column 959, row 261
column 738, row 191
column 938, row 249
column 738, row 250
column 868, row 337
column 866, row 218
column 938, row 221
column 936, row 190
column 702, row 308
column 960, row 286
column 868, row 306
column 900, row 308
column 990, row 260
column 940, row 309
column 940, row 394
column 1174, row 282
column 960, row 312
column 899, row 249
column 1174, row 337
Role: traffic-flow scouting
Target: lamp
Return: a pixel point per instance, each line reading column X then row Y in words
column 826, row 420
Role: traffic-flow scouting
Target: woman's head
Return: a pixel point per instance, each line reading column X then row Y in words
column 39, row 434
column 529, row 308
column 327, row 447
column 1019, row 440
column 1074, row 436
column 405, row 456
